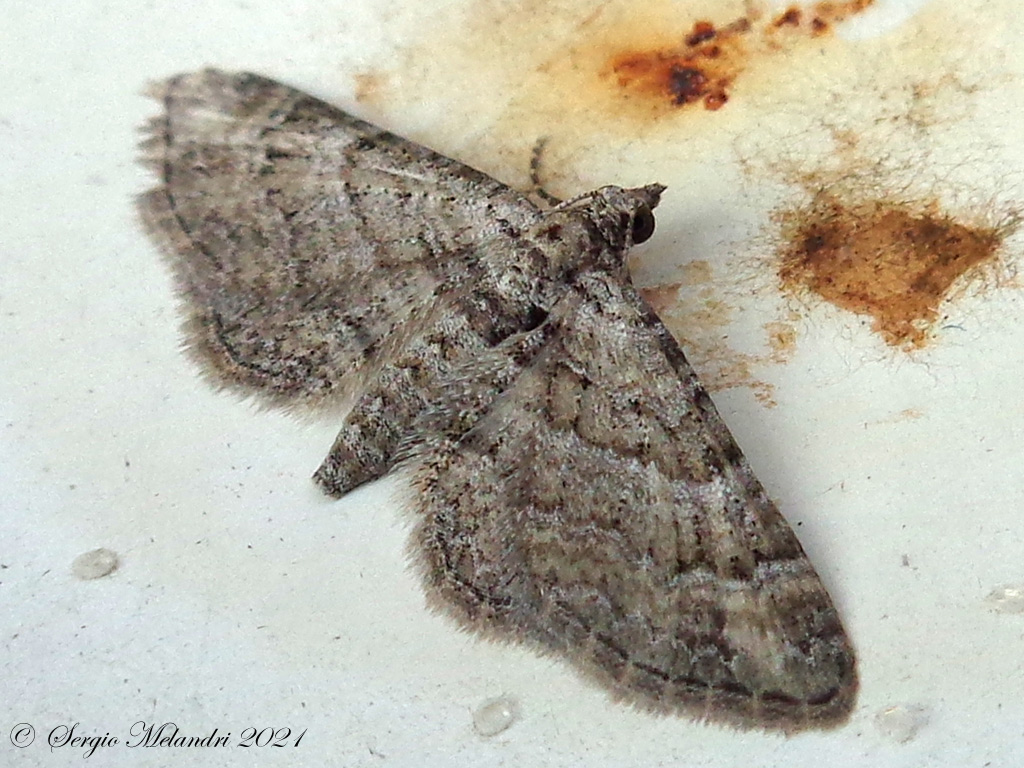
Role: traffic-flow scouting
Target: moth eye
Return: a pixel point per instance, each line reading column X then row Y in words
column 643, row 224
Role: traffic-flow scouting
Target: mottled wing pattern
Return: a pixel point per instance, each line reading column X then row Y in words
column 301, row 237
column 602, row 509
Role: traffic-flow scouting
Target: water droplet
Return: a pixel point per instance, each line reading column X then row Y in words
column 1007, row 599
column 901, row 722
column 94, row 564
column 495, row 715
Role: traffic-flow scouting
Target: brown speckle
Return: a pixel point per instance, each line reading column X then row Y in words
column 790, row 18
column 661, row 298
column 696, row 272
column 715, row 101
column 368, row 86
column 781, row 340
column 702, row 31
column 686, row 83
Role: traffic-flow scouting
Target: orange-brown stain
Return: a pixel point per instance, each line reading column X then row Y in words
column 790, row 18
column 661, row 298
column 708, row 59
column 701, row 70
column 781, row 340
column 696, row 272
column 880, row 259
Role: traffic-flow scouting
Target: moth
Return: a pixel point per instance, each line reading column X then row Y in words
column 574, row 487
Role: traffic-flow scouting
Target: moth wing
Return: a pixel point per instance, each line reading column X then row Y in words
column 305, row 243
column 601, row 510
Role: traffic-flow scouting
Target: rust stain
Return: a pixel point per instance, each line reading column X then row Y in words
column 661, row 298
column 886, row 260
column 702, row 67
column 699, row 327
column 900, row 417
column 789, row 18
column 781, row 340
column 368, row 85
column 907, row 414
column 696, row 272
column 720, row 367
column 737, row 372
column 701, row 322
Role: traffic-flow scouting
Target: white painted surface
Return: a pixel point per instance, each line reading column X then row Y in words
column 245, row 600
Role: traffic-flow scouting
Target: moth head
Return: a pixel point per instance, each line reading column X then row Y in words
column 624, row 217
column 597, row 229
